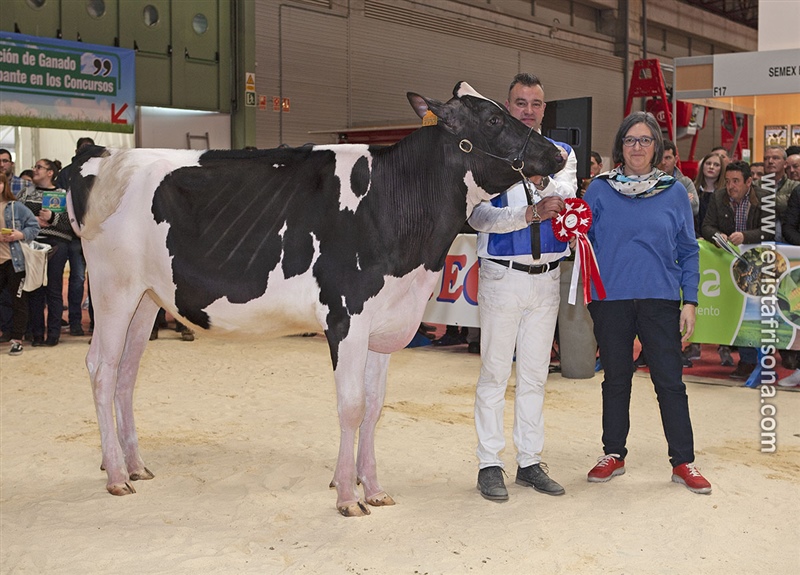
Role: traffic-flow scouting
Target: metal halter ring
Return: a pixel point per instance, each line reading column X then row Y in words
column 466, row 146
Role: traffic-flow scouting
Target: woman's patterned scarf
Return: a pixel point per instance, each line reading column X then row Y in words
column 638, row 186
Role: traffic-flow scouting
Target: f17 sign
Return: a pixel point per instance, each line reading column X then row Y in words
column 50, row 83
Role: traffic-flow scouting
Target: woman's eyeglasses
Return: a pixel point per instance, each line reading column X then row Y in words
column 644, row 141
column 38, row 167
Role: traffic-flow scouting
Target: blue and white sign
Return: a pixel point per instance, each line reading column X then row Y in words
column 50, row 83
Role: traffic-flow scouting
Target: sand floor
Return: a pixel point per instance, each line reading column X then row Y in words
column 242, row 437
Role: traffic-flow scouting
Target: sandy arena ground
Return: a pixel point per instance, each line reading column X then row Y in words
column 242, row 438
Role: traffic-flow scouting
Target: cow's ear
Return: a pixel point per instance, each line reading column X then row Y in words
column 420, row 104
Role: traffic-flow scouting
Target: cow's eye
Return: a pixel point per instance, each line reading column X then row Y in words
column 494, row 120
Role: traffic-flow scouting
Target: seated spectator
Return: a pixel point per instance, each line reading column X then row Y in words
column 736, row 213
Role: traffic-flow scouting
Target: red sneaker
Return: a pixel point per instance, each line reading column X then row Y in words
column 607, row 467
column 689, row 475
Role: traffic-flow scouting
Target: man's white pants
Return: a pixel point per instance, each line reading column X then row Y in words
column 517, row 310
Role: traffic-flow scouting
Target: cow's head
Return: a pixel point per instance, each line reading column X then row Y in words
column 498, row 144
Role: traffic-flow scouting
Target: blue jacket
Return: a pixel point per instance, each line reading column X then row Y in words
column 645, row 247
column 24, row 221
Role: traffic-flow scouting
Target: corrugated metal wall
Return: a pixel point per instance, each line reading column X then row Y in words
column 351, row 66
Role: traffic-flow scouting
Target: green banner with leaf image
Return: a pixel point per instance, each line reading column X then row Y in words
column 749, row 301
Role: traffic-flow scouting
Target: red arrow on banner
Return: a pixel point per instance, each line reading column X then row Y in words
column 115, row 115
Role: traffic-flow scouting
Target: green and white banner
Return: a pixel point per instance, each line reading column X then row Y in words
column 750, row 301
column 50, row 83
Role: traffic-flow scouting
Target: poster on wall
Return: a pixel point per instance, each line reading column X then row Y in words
column 776, row 136
column 795, row 135
column 51, row 83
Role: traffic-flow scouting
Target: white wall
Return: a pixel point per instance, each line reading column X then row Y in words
column 168, row 127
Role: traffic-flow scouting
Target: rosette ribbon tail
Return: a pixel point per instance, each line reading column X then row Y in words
column 586, row 260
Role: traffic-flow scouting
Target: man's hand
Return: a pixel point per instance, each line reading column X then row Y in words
column 550, row 207
column 736, row 238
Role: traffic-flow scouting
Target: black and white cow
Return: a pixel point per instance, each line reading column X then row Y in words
column 349, row 238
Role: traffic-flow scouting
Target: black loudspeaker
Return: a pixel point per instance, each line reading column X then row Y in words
column 570, row 121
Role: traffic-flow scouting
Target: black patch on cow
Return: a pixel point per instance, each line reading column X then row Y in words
column 359, row 178
column 81, row 187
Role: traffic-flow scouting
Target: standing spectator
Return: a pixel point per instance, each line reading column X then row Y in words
column 793, row 167
column 57, row 232
column 722, row 152
column 757, row 169
column 77, row 263
column 790, row 358
column 710, row 178
column 736, row 214
column 19, row 224
column 518, row 297
column 643, row 236
column 775, row 165
column 595, row 167
column 668, row 165
column 18, row 185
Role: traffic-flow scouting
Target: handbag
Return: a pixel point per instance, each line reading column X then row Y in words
column 36, row 255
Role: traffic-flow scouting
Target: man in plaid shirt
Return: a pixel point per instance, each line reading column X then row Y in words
column 736, row 214
column 18, row 185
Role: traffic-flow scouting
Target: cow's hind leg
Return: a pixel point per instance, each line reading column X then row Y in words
column 111, row 384
column 375, row 387
column 135, row 343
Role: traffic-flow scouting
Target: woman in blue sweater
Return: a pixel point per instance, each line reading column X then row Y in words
column 644, row 239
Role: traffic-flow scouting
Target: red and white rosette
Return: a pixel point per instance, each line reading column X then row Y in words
column 574, row 222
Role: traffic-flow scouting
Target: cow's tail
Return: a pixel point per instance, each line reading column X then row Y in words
column 80, row 186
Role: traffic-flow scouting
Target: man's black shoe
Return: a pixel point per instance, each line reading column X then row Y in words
column 474, row 347
column 491, row 484
column 535, row 476
column 76, row 331
column 50, row 342
column 37, row 341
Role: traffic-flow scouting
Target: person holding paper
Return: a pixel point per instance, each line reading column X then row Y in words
column 735, row 213
column 57, row 232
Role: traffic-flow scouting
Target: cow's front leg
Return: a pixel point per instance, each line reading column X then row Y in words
column 350, row 356
column 375, row 386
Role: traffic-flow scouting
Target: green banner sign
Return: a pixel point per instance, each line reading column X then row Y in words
column 70, row 85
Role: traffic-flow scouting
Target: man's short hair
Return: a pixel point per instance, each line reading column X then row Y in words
column 83, row 142
column 740, row 166
column 4, row 151
column 792, row 150
column 754, row 164
column 670, row 145
column 781, row 149
column 526, row 80
column 597, row 157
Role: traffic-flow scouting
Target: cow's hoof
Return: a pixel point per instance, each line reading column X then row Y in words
column 121, row 489
column 142, row 475
column 357, row 509
column 380, row 499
